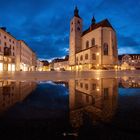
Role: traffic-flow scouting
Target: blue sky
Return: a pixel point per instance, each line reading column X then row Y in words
column 44, row 24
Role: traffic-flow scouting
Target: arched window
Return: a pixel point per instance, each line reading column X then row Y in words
column 93, row 42
column 105, row 49
column 87, row 44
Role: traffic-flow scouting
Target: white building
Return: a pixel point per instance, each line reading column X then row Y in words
column 93, row 48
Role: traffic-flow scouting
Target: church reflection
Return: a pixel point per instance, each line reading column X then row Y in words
column 12, row 92
column 95, row 99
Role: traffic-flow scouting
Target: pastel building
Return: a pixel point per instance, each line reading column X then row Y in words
column 8, row 50
column 93, row 48
column 15, row 55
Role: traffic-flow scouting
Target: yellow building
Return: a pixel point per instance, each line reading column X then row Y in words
column 93, row 48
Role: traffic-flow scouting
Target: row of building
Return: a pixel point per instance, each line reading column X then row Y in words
column 95, row 48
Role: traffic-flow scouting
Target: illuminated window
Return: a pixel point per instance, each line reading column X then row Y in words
column 105, row 49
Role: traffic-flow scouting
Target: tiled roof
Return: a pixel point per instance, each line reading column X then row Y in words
column 104, row 23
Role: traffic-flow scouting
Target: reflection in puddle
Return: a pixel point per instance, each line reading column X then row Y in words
column 73, row 107
column 96, row 98
column 12, row 92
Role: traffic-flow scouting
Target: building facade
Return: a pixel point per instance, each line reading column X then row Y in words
column 15, row 55
column 93, row 48
column 8, row 50
column 129, row 61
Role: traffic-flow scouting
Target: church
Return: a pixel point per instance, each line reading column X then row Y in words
column 94, row 48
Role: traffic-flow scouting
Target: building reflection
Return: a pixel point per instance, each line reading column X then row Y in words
column 130, row 82
column 12, row 92
column 94, row 98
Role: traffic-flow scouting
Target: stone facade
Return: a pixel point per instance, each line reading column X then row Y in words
column 95, row 47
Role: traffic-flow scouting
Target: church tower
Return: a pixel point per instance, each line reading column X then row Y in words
column 75, row 37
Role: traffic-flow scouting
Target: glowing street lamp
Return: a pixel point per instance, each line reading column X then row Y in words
column 97, row 53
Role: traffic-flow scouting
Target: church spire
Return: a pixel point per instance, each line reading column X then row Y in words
column 76, row 12
column 93, row 21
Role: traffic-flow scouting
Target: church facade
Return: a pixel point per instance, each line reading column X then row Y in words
column 93, row 48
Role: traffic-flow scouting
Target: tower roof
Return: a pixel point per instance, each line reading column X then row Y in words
column 76, row 12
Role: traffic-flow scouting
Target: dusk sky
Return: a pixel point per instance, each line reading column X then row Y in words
column 44, row 24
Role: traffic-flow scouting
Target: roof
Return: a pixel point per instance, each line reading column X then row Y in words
column 103, row 23
column 121, row 56
column 4, row 30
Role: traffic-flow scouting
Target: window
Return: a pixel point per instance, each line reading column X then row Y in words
column 86, row 86
column 13, row 42
column 9, row 40
column 71, row 29
column 94, row 86
column 81, row 58
column 93, row 56
column 78, row 28
column 78, row 22
column 105, row 49
column 106, row 92
column 86, row 56
column 0, row 41
column 5, row 44
column 5, row 37
column 87, row 44
column 93, row 42
column 81, row 85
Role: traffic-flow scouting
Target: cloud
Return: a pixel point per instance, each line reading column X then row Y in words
column 44, row 24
